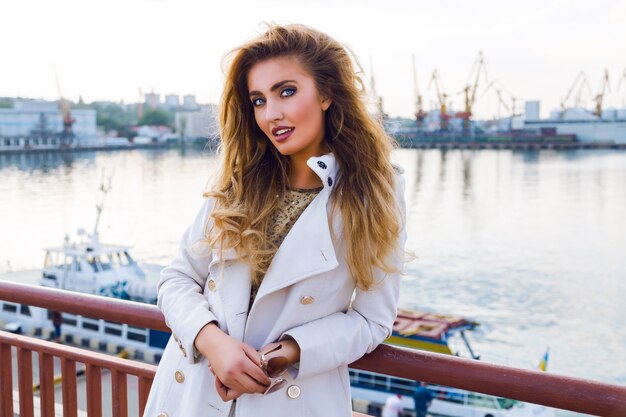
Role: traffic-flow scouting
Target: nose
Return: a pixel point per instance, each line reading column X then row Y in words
column 273, row 111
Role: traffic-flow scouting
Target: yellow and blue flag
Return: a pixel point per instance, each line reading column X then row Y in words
column 543, row 365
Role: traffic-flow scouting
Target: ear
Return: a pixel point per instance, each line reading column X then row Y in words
column 326, row 102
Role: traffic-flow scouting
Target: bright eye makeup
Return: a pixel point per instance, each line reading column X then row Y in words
column 288, row 91
column 285, row 92
column 256, row 102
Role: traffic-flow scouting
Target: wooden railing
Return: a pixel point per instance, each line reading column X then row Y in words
column 94, row 362
column 575, row 394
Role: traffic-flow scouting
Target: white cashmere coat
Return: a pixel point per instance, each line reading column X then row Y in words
column 335, row 325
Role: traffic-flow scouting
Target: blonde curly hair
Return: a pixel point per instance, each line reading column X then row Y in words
column 252, row 172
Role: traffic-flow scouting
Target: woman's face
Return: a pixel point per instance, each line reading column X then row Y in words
column 288, row 107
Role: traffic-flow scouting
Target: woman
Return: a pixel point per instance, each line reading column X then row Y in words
column 291, row 269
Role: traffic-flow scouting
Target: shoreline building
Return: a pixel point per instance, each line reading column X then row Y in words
column 609, row 128
column 30, row 122
column 25, row 116
column 197, row 125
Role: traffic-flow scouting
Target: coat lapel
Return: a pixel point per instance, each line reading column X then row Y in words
column 308, row 248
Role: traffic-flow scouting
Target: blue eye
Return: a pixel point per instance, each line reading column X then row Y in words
column 257, row 102
column 289, row 91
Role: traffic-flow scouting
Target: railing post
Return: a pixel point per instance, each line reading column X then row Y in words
column 144, row 390
column 6, row 380
column 46, row 384
column 94, row 391
column 68, row 373
column 119, row 393
column 25, row 381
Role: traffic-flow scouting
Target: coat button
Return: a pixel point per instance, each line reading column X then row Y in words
column 330, row 182
column 293, row 391
column 179, row 376
column 321, row 164
column 307, row 299
column 162, row 415
column 211, row 285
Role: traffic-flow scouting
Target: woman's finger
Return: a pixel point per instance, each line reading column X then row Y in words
column 232, row 395
column 251, row 385
column 252, row 354
column 253, row 368
column 221, row 389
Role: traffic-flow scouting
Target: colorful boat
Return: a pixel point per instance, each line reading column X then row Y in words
column 441, row 334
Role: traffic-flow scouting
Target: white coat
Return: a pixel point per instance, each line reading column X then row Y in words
column 306, row 294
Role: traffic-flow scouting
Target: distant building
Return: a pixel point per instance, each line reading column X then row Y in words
column 29, row 116
column 152, row 100
column 154, row 134
column 189, row 102
column 172, row 101
column 201, row 124
column 610, row 128
column 531, row 110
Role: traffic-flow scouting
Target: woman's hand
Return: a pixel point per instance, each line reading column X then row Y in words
column 290, row 349
column 235, row 364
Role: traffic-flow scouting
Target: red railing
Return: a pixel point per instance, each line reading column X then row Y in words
column 94, row 362
column 575, row 394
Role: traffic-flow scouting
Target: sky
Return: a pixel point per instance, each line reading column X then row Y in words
column 109, row 50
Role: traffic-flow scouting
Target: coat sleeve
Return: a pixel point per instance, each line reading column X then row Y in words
column 343, row 337
column 181, row 287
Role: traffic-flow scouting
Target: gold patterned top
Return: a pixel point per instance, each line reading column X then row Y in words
column 281, row 221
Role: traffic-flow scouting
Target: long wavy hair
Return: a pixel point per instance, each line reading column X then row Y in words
column 252, row 172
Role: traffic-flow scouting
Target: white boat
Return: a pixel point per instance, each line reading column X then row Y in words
column 89, row 266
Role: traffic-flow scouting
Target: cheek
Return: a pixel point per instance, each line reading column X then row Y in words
column 306, row 111
column 260, row 120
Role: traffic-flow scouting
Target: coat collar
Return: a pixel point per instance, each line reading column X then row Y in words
column 325, row 167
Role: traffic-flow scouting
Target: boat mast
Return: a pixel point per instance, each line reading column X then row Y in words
column 105, row 187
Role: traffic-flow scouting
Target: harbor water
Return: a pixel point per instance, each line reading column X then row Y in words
column 530, row 244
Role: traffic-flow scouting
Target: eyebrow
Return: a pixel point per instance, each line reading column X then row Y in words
column 273, row 88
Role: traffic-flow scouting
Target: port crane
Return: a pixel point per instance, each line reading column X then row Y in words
column 619, row 85
column 499, row 87
column 420, row 114
column 67, row 135
column 441, row 97
column 604, row 84
column 470, row 90
column 579, row 83
column 380, row 113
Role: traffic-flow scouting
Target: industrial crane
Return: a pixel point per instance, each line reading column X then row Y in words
column 470, row 90
column 420, row 114
column 442, row 97
column 498, row 87
column 580, row 82
column 619, row 85
column 380, row 113
column 67, row 135
column 604, row 84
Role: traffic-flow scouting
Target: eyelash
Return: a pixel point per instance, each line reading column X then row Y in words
column 259, row 101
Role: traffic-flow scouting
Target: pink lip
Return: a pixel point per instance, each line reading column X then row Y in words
column 284, row 136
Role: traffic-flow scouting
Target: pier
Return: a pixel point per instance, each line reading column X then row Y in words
column 498, row 145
